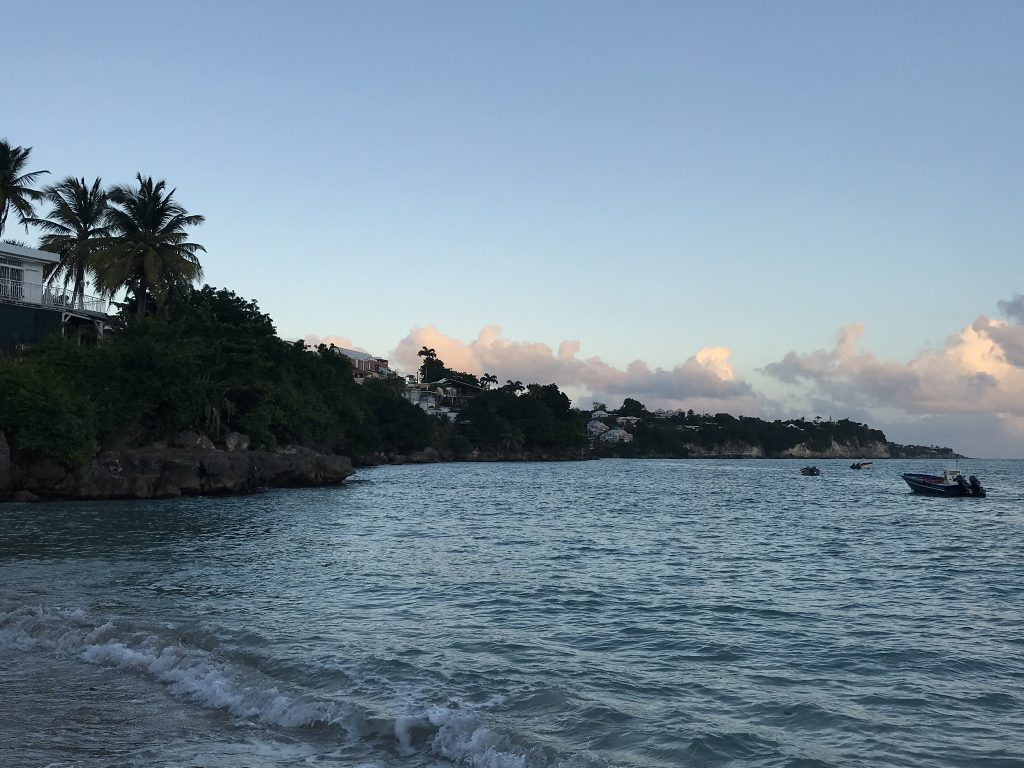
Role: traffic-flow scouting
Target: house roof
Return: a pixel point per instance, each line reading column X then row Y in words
column 352, row 354
column 451, row 381
column 31, row 254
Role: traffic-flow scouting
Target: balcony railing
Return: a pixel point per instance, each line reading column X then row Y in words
column 51, row 297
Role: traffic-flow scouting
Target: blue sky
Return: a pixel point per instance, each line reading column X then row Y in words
column 648, row 179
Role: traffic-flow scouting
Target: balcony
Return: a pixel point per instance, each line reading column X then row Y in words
column 50, row 297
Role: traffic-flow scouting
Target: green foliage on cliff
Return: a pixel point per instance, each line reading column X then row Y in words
column 211, row 363
column 684, row 434
column 539, row 419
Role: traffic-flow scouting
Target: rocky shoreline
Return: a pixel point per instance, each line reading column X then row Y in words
column 168, row 472
column 191, row 465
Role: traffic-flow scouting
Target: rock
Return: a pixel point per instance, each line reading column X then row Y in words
column 5, row 465
column 49, row 478
column 236, row 441
column 169, row 472
column 192, row 440
column 25, row 496
column 426, row 456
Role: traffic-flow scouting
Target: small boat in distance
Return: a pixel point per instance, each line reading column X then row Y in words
column 950, row 483
column 813, row 471
column 861, row 465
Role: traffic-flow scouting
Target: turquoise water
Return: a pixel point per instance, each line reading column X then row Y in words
column 607, row 613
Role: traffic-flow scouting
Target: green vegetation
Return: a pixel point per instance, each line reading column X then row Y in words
column 684, row 434
column 210, row 363
column 16, row 190
column 75, row 230
column 537, row 419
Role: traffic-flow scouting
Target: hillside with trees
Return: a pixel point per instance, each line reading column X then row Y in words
column 679, row 434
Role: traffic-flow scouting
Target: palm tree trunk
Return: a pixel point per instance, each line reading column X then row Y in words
column 140, row 299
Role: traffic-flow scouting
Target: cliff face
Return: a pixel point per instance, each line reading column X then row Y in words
column 727, row 451
column 169, row 472
column 869, row 450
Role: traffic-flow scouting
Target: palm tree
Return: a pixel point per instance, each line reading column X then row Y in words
column 488, row 379
column 74, row 229
column 15, row 185
column 515, row 387
column 148, row 252
column 428, row 352
column 513, row 439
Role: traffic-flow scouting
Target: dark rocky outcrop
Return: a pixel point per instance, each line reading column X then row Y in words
column 5, row 466
column 162, row 472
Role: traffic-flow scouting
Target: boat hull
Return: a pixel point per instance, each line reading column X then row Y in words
column 937, row 485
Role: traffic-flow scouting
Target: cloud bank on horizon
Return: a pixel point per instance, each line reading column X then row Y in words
column 970, row 388
column 705, row 382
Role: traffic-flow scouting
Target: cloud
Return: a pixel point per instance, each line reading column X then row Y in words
column 981, row 369
column 976, row 374
column 339, row 341
column 1013, row 308
column 705, row 381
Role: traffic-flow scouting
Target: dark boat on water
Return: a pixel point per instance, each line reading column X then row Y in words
column 861, row 465
column 813, row 471
column 950, row 483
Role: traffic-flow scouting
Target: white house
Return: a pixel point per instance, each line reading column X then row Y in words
column 616, row 436
column 30, row 309
column 445, row 397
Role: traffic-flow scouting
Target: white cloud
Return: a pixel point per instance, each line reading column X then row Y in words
column 976, row 375
column 705, row 381
column 339, row 341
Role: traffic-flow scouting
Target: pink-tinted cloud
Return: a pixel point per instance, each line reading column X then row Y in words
column 339, row 341
column 705, row 381
column 976, row 374
column 977, row 371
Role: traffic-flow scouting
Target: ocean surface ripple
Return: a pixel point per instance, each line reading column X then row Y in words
column 569, row 615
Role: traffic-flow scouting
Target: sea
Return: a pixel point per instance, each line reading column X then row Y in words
column 523, row 615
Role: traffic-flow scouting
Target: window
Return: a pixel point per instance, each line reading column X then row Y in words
column 12, row 279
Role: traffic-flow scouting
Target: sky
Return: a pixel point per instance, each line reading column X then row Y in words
column 769, row 209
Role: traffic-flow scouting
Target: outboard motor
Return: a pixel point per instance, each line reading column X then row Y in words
column 976, row 488
column 963, row 485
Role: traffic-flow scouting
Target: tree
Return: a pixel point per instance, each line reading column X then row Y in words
column 513, row 386
column 433, row 367
column 148, row 252
column 488, row 379
column 16, row 190
column 74, row 229
column 631, row 407
column 512, row 440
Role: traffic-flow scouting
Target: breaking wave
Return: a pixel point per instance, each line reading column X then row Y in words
column 459, row 735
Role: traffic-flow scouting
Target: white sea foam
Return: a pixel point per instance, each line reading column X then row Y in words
column 454, row 734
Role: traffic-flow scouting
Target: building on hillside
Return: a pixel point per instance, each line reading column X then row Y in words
column 445, row 397
column 31, row 310
column 616, row 436
column 364, row 365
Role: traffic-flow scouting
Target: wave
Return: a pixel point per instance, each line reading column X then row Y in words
column 457, row 734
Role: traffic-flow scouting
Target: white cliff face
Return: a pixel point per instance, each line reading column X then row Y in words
column 869, row 450
column 726, row 450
